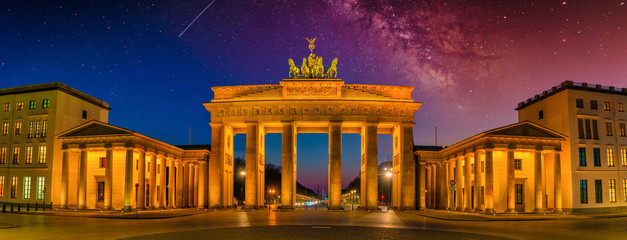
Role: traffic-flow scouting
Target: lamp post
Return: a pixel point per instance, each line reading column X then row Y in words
column 243, row 175
column 353, row 199
column 388, row 174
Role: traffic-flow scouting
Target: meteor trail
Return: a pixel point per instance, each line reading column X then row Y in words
column 196, row 18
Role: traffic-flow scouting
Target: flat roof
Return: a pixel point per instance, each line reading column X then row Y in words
column 55, row 86
column 574, row 86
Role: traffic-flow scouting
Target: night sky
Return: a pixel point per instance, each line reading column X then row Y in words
column 470, row 62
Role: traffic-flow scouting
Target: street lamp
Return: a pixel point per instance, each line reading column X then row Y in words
column 243, row 174
column 270, row 192
column 353, row 199
column 388, row 174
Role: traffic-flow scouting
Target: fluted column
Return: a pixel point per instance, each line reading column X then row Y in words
column 108, row 178
column 407, row 169
column 191, row 185
column 162, row 182
column 451, row 176
column 489, row 181
column 153, row 182
column 128, row 180
column 82, row 180
column 252, row 130
column 171, row 183
column 185, row 184
column 202, row 185
column 511, row 204
column 557, row 182
column 429, row 192
column 422, row 186
column 467, row 184
column 371, row 165
column 537, row 179
column 180, row 183
column 196, row 190
column 459, row 183
column 335, row 165
column 477, row 193
column 65, row 170
column 288, row 180
column 141, row 180
column 434, row 186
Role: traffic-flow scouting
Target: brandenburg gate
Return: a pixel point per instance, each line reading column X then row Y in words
column 311, row 102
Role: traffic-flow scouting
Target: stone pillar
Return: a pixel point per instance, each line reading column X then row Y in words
column 202, row 185
column 65, row 170
column 108, row 178
column 489, row 181
column 196, row 190
column 180, row 184
column 407, row 167
column 288, row 179
column 335, row 165
column 429, row 191
column 185, row 184
column 153, row 182
column 82, row 180
column 434, row 186
column 128, row 180
column 171, row 183
column 511, row 206
column 477, row 193
column 216, row 165
column 191, row 185
column 421, row 186
column 251, row 165
column 537, row 180
column 557, row 182
column 451, row 176
column 459, row 183
column 141, row 180
column 467, row 184
column 162, row 182
column 372, row 164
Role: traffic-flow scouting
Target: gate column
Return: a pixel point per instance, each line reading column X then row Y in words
column 288, row 176
column 335, row 165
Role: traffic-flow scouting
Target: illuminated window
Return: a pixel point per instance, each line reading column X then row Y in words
column 607, row 106
column 3, row 155
column 593, row 104
column 621, row 107
column 598, row 190
column 517, row 164
column 18, row 128
column 518, row 190
column 40, row 188
column 102, row 163
column 608, row 129
column 579, row 103
column 45, row 103
column 13, row 187
column 624, row 189
column 32, row 104
column 42, row 154
column 31, row 129
column 26, row 188
column 612, row 190
column 16, row 155
column 37, row 129
column 7, row 107
column 623, row 157
column 540, row 114
column 5, row 128
column 610, row 157
column 44, row 128
column 621, row 127
column 597, row 157
column 19, row 106
column 1, row 186
column 29, row 155
column 582, row 157
column 583, row 191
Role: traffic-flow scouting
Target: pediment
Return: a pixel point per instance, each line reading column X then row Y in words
column 525, row 129
column 95, row 128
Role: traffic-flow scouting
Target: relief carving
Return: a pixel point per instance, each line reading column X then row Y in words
column 311, row 91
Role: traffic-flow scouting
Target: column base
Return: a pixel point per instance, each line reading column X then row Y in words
column 489, row 211
column 468, row 210
column 128, row 209
column 511, row 211
column 81, row 207
column 477, row 210
column 559, row 210
column 62, row 206
column 459, row 209
column 539, row 211
column 109, row 208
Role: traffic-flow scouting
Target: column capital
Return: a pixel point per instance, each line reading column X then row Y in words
column 370, row 124
column 538, row 148
column 216, row 124
column 335, row 123
column 511, row 147
column 108, row 146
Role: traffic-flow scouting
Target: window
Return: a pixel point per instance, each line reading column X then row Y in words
column 7, row 107
column 595, row 130
column 623, row 132
column 608, row 129
column 3, row 155
column 610, row 157
column 16, row 155
column 31, row 129
column 607, row 106
column 5, row 128
column 517, row 164
column 29, row 155
column 101, row 186
column 42, row 154
column 37, row 128
column 598, row 190
column 612, row 190
column 40, row 188
column 518, row 189
column 32, row 104
column 84, row 114
column 26, row 188
column 623, row 157
column 18, row 128
column 19, row 106
column 1, row 186
column 621, row 107
column 44, row 128
column 593, row 104
column 45, row 103
column 591, row 129
column 579, row 103
column 540, row 114
column 102, row 163
column 583, row 191
column 624, row 188
column 582, row 157
column 597, row 157
column 582, row 134
column 13, row 187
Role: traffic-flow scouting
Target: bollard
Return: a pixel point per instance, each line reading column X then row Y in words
column 50, row 205
column 28, row 207
column 4, row 207
column 36, row 207
column 11, row 207
column 18, row 207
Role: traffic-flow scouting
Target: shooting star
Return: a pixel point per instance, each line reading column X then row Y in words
column 196, row 18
